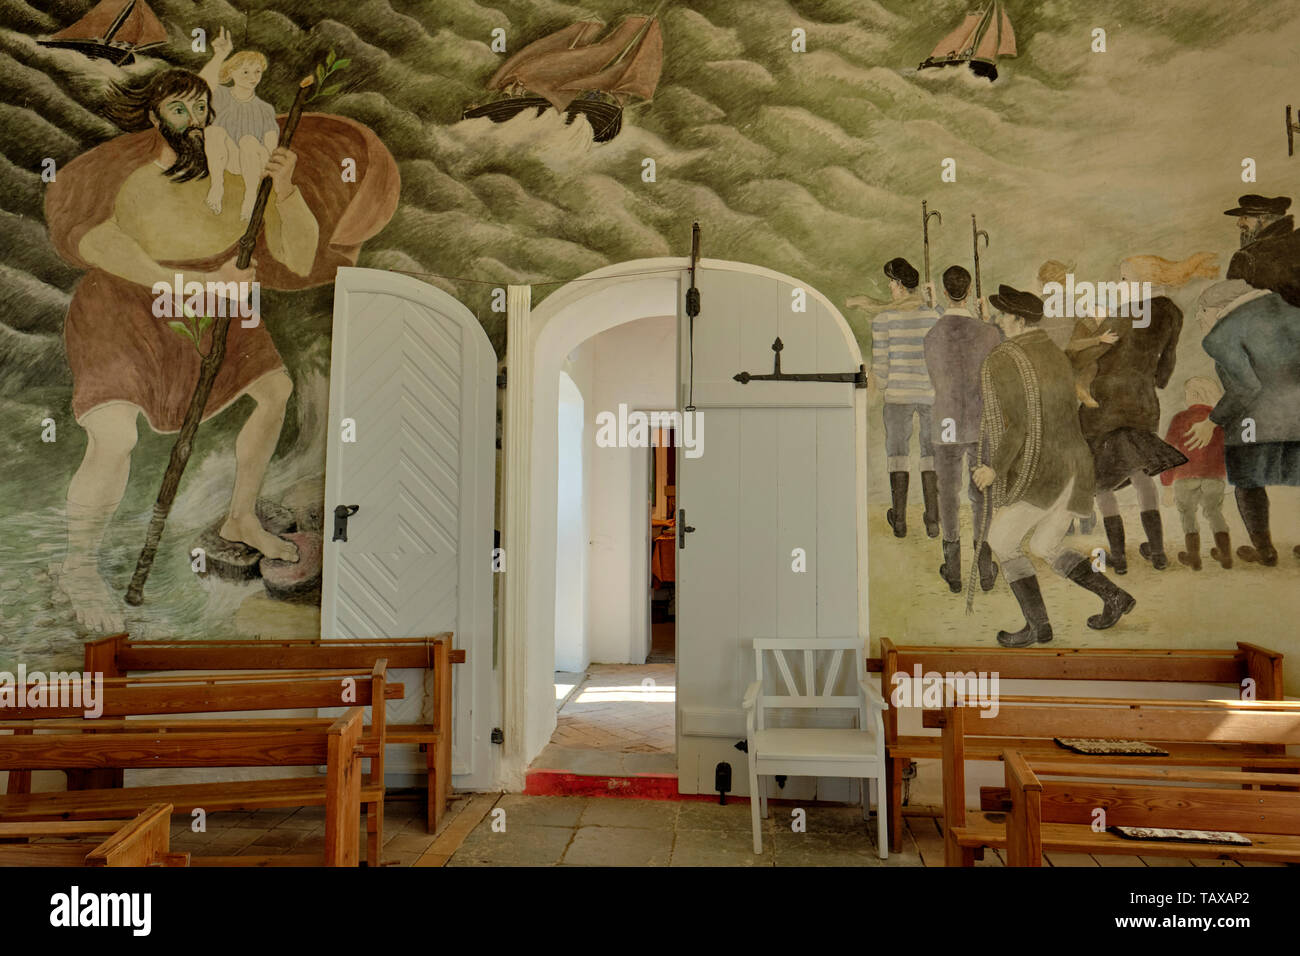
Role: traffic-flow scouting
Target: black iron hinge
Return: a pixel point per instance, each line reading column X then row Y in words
column 498, row 736
column 857, row 379
column 501, row 379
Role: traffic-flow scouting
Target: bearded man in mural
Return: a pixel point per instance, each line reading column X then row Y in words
column 132, row 211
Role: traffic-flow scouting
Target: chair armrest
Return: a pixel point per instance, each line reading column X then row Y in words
column 872, row 694
column 751, row 695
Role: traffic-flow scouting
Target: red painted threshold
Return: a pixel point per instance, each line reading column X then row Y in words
column 648, row 786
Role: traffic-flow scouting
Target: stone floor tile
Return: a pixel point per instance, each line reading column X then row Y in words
column 719, row 848
column 619, row 812
column 518, row 846
column 523, row 810
column 620, row 846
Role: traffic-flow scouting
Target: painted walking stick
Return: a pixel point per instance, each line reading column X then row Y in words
column 925, row 243
column 975, row 234
column 208, row 370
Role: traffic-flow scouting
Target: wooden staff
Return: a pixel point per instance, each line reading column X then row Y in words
column 207, row 374
column 975, row 234
column 925, row 243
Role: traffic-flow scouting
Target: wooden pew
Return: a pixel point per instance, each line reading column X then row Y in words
column 1197, row 734
column 155, row 695
column 118, row 655
column 1058, row 815
column 335, row 743
column 1153, row 665
column 143, row 841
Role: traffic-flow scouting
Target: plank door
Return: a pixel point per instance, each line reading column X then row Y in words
column 782, row 468
column 413, row 383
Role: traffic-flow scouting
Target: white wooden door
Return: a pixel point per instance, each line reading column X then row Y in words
column 413, row 384
column 780, row 485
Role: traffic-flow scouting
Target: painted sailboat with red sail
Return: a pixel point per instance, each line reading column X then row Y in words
column 580, row 70
column 978, row 42
column 112, row 30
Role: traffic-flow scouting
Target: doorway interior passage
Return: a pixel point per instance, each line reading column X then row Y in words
column 619, row 720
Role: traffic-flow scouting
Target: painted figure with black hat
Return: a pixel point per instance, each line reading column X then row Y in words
column 898, row 367
column 1260, row 218
column 1040, row 471
column 1269, row 257
column 1256, row 349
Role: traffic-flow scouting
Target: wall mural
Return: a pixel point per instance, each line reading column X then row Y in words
column 1142, row 436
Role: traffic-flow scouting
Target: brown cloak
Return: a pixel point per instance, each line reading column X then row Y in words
column 118, row 350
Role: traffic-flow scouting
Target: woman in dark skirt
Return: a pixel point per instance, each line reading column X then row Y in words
column 1121, row 430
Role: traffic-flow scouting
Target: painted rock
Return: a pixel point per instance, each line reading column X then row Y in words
column 275, row 517
column 306, row 500
column 299, row 580
column 228, row 560
column 234, row 560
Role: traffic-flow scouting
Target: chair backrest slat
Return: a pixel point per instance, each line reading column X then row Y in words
column 784, row 667
column 832, row 672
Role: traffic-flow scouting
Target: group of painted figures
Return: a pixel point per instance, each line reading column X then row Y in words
column 1045, row 432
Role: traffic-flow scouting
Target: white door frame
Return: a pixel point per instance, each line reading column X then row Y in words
column 538, row 343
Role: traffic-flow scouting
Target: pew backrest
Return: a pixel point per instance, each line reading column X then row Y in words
column 1229, row 666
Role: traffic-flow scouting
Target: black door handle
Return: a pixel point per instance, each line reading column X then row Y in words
column 683, row 529
column 341, row 515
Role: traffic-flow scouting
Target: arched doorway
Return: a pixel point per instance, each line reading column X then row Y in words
column 796, row 449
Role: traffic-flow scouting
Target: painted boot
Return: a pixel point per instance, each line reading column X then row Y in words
column 1117, row 601
column 897, row 515
column 1192, row 556
column 988, row 567
column 1222, row 550
column 1037, row 629
column 1153, row 549
column 1252, row 505
column 1115, row 538
column 930, row 492
column 950, row 570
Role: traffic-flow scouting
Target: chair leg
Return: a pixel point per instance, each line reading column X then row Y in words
column 867, row 795
column 882, row 821
column 894, row 800
column 762, row 790
column 754, row 807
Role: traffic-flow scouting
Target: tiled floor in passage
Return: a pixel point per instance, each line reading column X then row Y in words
column 618, row 721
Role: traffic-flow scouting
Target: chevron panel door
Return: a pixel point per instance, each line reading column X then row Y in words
column 411, row 447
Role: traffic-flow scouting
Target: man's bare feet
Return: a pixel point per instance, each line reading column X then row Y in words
column 215, row 194
column 96, row 608
column 249, row 531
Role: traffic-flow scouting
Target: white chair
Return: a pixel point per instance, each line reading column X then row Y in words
column 815, row 751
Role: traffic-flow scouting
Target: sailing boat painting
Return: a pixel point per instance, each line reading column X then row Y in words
column 982, row 37
column 577, row 71
column 112, row 30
